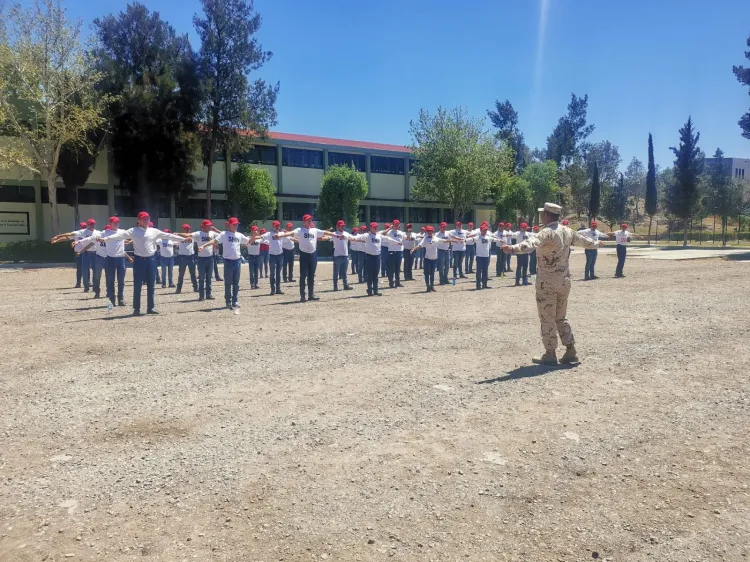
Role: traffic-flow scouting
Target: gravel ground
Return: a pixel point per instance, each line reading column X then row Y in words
column 409, row 427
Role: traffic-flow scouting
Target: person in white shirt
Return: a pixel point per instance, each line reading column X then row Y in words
column 532, row 255
column 622, row 238
column 341, row 256
column 510, row 239
column 419, row 253
column 354, row 252
column 501, row 259
column 186, row 260
column 76, row 235
column 430, row 244
column 395, row 254
column 276, row 257
column 591, row 254
column 253, row 258
column 86, row 253
column 288, row 245
column 361, row 254
column 167, row 260
column 483, row 239
column 522, row 259
column 114, row 260
column 373, row 243
column 410, row 242
column 459, row 249
column 443, row 255
column 307, row 238
column 205, row 258
column 384, row 254
column 230, row 241
column 145, row 241
column 157, row 257
column 471, row 251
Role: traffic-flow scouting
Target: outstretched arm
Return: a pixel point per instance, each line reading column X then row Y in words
column 209, row 243
column 581, row 240
column 527, row 246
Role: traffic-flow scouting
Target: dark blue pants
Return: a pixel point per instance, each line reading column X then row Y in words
column 471, row 251
column 507, row 262
column 499, row 263
column 383, row 262
column 232, row 280
column 408, row 265
column 186, row 262
column 483, row 266
column 263, row 264
column 458, row 263
column 204, row 276
column 622, row 251
column 591, row 255
column 372, row 269
column 167, row 264
column 144, row 271
column 429, row 271
column 253, row 263
column 115, row 269
column 276, row 262
column 355, row 264
column 216, row 265
column 361, row 259
column 308, row 263
column 340, row 265
column 522, row 268
column 99, row 264
column 442, row 266
column 532, row 261
column 394, row 268
column 79, row 272
column 87, row 264
column 288, row 265
column 157, row 263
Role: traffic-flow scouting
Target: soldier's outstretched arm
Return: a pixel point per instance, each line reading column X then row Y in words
column 528, row 246
column 581, row 240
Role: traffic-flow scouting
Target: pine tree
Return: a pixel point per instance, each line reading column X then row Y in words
column 596, row 194
column 682, row 197
column 651, row 194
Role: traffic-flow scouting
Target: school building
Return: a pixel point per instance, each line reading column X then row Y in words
column 296, row 164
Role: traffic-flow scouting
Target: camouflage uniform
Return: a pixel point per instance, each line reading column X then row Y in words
column 552, row 246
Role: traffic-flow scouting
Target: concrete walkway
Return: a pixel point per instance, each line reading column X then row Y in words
column 675, row 253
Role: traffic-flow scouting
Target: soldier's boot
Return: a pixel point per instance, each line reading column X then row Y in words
column 570, row 355
column 549, row 358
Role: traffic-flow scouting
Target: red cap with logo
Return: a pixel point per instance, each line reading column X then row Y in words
column 509, row 224
column 458, row 223
column 276, row 223
column 408, row 225
column 307, row 218
column 254, row 228
column 207, row 223
column 150, row 224
column 430, row 228
column 388, row 225
column 594, row 223
column 373, row 225
column 623, row 226
column 262, row 230
column 396, row 222
column 82, row 224
column 107, row 227
column 472, row 224
column 289, row 225
column 233, row 220
column 167, row 231
column 143, row 215
column 536, row 227
column 443, row 224
column 185, row 226
column 501, row 224
column 90, row 222
column 524, row 225
column 340, row 223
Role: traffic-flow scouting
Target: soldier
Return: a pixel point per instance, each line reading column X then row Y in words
column 307, row 238
column 483, row 240
column 522, row 260
column 373, row 247
column 458, row 250
column 430, row 244
column 532, row 259
column 622, row 237
column 395, row 254
column 409, row 241
column 553, row 281
column 419, row 254
column 443, row 255
column 591, row 254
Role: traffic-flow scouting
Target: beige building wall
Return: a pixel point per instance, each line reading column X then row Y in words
column 386, row 186
column 301, row 181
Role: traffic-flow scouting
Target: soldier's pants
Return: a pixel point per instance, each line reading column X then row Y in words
column 458, row 263
column 288, row 267
column 186, row 262
column 78, row 270
column 552, row 304
column 408, row 264
column 499, row 263
column 383, row 262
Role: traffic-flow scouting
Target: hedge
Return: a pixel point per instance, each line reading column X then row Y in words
column 36, row 251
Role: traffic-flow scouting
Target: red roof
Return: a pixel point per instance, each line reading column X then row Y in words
column 338, row 142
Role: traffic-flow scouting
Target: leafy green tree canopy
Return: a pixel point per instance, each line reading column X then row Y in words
column 251, row 193
column 341, row 190
column 743, row 76
column 682, row 197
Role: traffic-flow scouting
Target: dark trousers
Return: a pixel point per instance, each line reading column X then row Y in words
column 167, row 265
column 204, row 276
column 532, row 262
column 591, row 255
column 483, row 266
column 383, row 262
column 622, row 251
column 499, row 263
column 308, row 263
column 216, row 266
column 372, row 269
column 157, row 266
column 458, row 263
column 144, row 271
column 78, row 270
column 288, row 265
column 232, row 280
column 361, row 259
column 354, row 262
column 522, row 268
column 87, row 264
column 471, row 251
column 394, row 268
column 442, row 266
column 263, row 263
column 186, row 262
column 507, row 262
column 408, row 264
column 429, row 271
column 115, row 269
column 340, row 265
column 99, row 265
column 276, row 262
column 253, row 263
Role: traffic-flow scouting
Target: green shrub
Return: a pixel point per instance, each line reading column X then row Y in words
column 36, row 251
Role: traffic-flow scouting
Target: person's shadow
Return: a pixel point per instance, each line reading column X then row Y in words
column 528, row 371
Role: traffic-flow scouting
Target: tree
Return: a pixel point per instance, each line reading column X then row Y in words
column 596, row 194
column 341, row 189
column 511, row 197
column 635, row 181
column 229, row 53
column 682, row 197
column 743, row 76
column 457, row 160
column 575, row 181
column 505, row 120
column 154, row 122
column 724, row 195
column 616, row 204
column 607, row 158
column 251, row 193
column 542, row 180
column 47, row 91
column 651, row 194
column 570, row 132
column 76, row 164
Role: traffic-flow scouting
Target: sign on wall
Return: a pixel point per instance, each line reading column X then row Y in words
column 14, row 223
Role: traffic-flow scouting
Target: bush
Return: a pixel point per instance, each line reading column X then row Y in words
column 36, row 251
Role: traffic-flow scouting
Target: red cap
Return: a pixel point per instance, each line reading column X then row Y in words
column 396, row 222
column 430, row 228
column 233, row 220
column 207, row 223
column 443, row 224
column 472, row 224
column 276, row 223
column 150, row 224
column 524, row 225
column 254, row 228
column 565, row 222
column 340, row 223
column 185, row 226
column 107, row 227
column 536, row 227
column 143, row 215
column 422, row 229
column 114, row 219
column 373, row 225
column 363, row 228
column 594, row 223
column 289, row 225
column 307, row 218
column 501, row 224
column 458, row 223
column 408, row 225
column 82, row 224
column 91, row 221
column 166, row 230
column 262, row 230
column 623, row 225
column 509, row 224
column 388, row 225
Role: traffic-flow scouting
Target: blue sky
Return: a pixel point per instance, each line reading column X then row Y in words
column 361, row 70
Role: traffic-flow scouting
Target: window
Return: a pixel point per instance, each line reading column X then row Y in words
column 259, row 155
column 343, row 159
column 423, row 215
column 300, row 158
column 386, row 214
column 361, row 214
column 16, row 194
column 295, row 211
column 386, row 165
column 90, row 197
column 62, row 195
column 220, row 155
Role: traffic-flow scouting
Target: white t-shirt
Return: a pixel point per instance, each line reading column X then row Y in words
column 114, row 249
column 622, row 237
column 167, row 248
column 394, row 235
column 340, row 245
column 471, row 241
column 409, row 240
column 484, row 244
column 231, row 244
column 373, row 243
column 509, row 236
column 186, row 248
column 431, row 245
column 200, row 238
column 444, row 239
column 308, row 238
column 593, row 234
column 145, row 240
column 522, row 236
column 95, row 233
column 276, row 245
column 253, row 249
column 287, row 243
column 458, row 233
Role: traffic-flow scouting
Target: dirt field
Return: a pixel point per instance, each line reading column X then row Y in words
column 408, row 427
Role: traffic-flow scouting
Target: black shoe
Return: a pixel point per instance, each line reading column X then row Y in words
column 369, row 293
column 96, row 295
column 348, row 288
column 428, row 290
column 137, row 313
column 121, row 303
column 171, row 286
column 302, row 299
column 77, row 286
column 390, row 285
column 200, row 299
column 152, row 311
column 398, row 285
column 485, row 286
column 291, row 280
column 518, row 284
column 230, row 307
column 377, row 294
column 314, row 298
column 210, row 298
column 272, row 293
column 163, row 285
column 594, row 277
column 280, row 292
column 85, row 290
column 462, row 277
column 335, row 288
column 237, row 305
column 433, row 289
column 478, row 287
column 177, row 292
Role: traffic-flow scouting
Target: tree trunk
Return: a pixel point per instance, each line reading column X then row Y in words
column 648, row 240
column 713, row 236
column 52, row 191
column 76, row 210
column 210, row 167
column 685, row 235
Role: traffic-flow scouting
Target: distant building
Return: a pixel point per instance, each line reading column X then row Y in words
column 736, row 168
